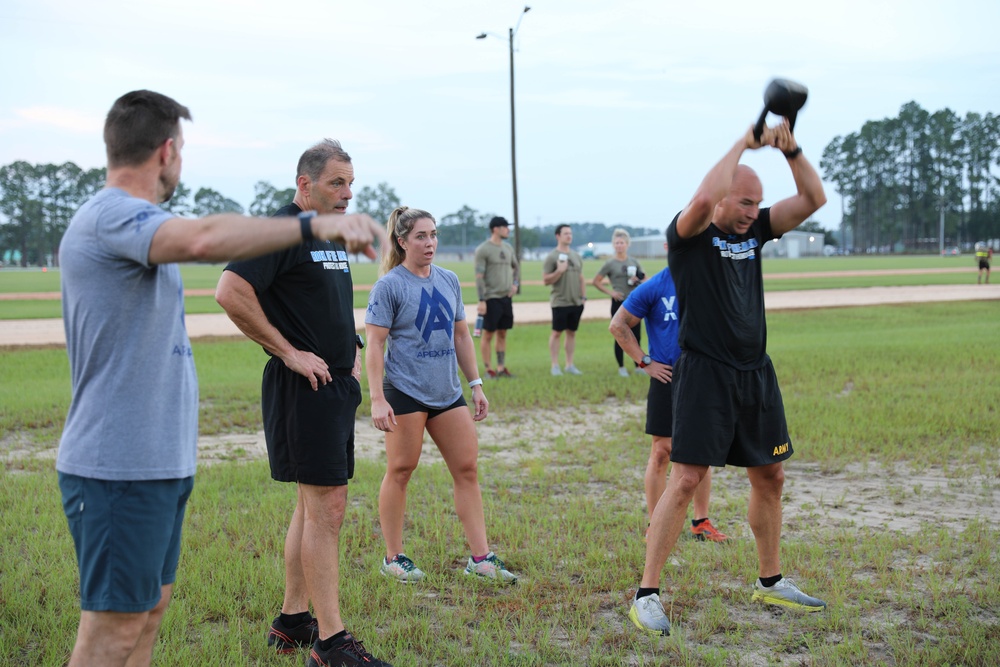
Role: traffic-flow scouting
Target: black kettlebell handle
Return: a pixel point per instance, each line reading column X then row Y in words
column 784, row 98
column 758, row 129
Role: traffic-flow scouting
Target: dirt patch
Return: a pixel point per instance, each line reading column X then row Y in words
column 863, row 495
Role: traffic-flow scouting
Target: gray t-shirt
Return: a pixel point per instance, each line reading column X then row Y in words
column 420, row 314
column 134, row 410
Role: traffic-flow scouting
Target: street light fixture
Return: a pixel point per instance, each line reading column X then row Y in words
column 513, row 158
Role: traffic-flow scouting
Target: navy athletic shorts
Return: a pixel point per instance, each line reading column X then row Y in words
column 127, row 536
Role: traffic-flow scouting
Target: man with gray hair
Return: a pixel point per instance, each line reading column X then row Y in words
column 298, row 304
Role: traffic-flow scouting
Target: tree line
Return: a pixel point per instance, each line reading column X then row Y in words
column 902, row 179
column 38, row 201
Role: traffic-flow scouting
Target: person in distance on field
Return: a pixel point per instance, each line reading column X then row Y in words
column 625, row 274
column 497, row 277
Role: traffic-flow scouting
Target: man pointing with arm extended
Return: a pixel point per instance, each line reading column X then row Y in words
column 128, row 451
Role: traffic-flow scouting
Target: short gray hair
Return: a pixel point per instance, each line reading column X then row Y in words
column 314, row 161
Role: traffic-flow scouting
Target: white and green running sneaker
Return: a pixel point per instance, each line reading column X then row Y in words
column 786, row 594
column 401, row 569
column 491, row 567
column 647, row 614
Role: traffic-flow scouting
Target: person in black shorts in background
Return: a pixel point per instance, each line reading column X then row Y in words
column 298, row 304
column 727, row 405
column 562, row 271
column 497, row 277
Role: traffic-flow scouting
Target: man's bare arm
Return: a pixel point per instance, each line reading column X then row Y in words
column 789, row 213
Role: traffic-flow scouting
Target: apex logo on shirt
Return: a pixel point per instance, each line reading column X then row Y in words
column 735, row 251
column 331, row 259
column 434, row 313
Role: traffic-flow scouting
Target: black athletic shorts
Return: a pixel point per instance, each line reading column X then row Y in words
column 660, row 408
column 984, row 264
column 499, row 314
column 310, row 434
column 404, row 404
column 566, row 317
column 723, row 416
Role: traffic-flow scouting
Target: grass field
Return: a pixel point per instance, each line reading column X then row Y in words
column 201, row 277
column 892, row 514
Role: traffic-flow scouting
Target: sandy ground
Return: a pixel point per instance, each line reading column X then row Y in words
column 51, row 332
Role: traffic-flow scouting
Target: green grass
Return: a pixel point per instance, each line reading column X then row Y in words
column 865, row 389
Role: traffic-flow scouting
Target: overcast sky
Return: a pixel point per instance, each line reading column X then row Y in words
column 622, row 105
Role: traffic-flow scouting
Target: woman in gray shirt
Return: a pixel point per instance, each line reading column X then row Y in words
column 625, row 274
column 415, row 310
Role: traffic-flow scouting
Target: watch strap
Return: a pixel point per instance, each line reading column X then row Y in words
column 305, row 224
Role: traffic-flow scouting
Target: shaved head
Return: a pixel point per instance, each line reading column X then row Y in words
column 739, row 208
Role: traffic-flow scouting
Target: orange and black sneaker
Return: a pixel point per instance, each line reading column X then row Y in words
column 705, row 531
column 504, row 373
column 491, row 373
column 287, row 640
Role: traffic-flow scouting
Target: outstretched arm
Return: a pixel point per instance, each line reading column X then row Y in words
column 227, row 236
column 789, row 213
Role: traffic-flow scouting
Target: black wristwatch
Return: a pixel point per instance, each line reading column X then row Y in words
column 794, row 153
column 360, row 341
column 645, row 361
column 305, row 224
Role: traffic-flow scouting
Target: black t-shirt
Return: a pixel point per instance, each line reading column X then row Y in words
column 720, row 291
column 307, row 293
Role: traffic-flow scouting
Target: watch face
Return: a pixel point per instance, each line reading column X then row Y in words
column 647, row 360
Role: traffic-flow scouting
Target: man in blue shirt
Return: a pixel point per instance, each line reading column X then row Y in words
column 655, row 301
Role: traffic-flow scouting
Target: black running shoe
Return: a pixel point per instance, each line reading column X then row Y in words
column 349, row 653
column 287, row 640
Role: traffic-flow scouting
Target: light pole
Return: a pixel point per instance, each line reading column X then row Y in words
column 513, row 153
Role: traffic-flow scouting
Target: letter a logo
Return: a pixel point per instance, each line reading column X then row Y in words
column 434, row 313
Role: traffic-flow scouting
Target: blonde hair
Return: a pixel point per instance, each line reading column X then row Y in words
column 621, row 234
column 399, row 226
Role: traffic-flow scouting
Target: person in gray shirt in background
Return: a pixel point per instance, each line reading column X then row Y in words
column 417, row 309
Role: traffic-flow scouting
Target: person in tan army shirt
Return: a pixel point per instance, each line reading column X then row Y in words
column 563, row 271
column 497, row 277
